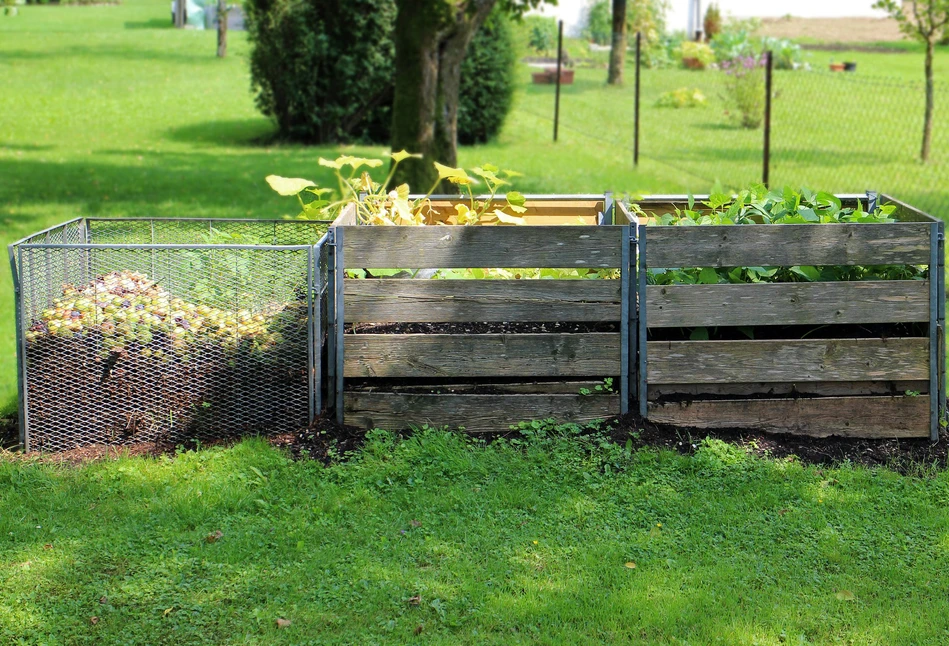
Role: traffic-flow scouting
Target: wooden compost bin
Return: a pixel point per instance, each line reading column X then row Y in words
column 490, row 380
column 874, row 386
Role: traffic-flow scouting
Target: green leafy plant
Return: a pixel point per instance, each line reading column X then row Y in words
column 694, row 55
column 377, row 205
column 759, row 205
column 682, row 98
column 745, row 90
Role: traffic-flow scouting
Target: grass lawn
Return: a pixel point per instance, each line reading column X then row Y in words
column 546, row 540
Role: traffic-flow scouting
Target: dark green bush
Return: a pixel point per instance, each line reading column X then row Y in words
column 322, row 69
column 487, row 81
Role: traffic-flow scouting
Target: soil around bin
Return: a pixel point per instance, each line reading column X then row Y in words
column 328, row 442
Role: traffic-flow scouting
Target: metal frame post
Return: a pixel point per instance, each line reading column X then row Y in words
column 941, row 320
column 641, row 296
column 16, row 261
column 608, row 216
column 935, row 371
column 624, row 321
column 338, row 287
column 331, row 317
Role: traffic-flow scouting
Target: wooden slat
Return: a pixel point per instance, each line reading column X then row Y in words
column 481, row 355
column 806, row 388
column 791, row 360
column 476, row 413
column 409, row 301
column 537, row 208
column 346, row 217
column 427, row 387
column 788, row 244
column 624, row 216
column 868, row 417
column 889, row 301
column 457, row 246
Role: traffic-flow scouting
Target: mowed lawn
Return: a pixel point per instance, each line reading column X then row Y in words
column 434, row 540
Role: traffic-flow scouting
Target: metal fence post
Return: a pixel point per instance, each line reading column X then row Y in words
column 639, row 38
column 941, row 320
column 769, row 68
column 559, row 62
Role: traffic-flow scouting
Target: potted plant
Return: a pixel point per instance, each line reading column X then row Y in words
column 695, row 55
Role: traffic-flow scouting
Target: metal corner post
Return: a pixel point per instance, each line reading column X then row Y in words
column 639, row 39
column 608, row 216
column 766, row 162
column 338, row 286
column 941, row 319
column 15, row 264
column 624, row 321
column 935, row 370
column 331, row 317
column 642, row 346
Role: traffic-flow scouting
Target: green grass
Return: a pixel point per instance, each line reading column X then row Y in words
column 106, row 110
column 515, row 542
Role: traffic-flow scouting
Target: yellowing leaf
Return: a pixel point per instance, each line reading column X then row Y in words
column 331, row 164
column 402, row 191
column 452, row 174
column 167, row 611
column 288, row 185
column 402, row 155
column 356, row 162
column 515, row 198
column 631, row 565
column 508, row 219
column 845, row 595
column 283, row 623
column 465, row 214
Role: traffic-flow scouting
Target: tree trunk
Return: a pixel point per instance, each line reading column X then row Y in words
column 430, row 44
column 221, row 28
column 618, row 45
column 928, row 119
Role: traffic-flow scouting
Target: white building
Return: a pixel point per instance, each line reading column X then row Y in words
column 678, row 17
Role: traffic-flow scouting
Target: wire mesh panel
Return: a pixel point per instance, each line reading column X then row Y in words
column 130, row 341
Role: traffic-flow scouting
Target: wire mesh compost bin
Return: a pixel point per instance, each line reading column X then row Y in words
column 163, row 330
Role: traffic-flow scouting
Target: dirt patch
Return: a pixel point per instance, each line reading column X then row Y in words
column 832, row 30
column 907, row 456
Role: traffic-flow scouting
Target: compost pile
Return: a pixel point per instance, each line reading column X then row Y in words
column 121, row 360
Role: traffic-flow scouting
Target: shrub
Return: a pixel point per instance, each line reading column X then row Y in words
column 695, row 55
column 745, row 90
column 682, row 98
column 487, row 81
column 599, row 23
column 713, row 21
column 322, row 69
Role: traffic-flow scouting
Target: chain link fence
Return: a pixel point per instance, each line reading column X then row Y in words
column 163, row 330
column 843, row 132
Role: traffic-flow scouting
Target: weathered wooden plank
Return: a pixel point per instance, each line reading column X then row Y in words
column 788, row 244
column 346, row 217
column 868, row 417
column 806, row 388
column 476, row 413
column 471, row 246
column 884, row 301
column 481, row 355
column 536, row 208
column 625, row 216
column 429, row 387
column 447, row 301
column 787, row 360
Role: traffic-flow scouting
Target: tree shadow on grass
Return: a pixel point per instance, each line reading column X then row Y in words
column 255, row 132
column 153, row 23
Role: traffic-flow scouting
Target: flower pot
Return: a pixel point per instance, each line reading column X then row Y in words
column 836, row 67
column 549, row 75
column 693, row 63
